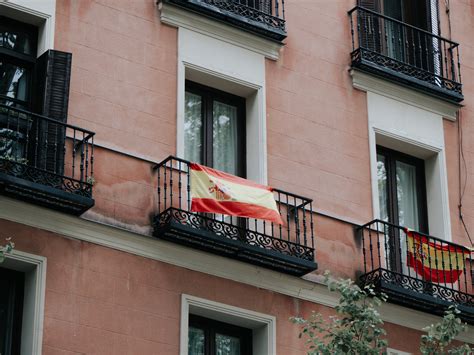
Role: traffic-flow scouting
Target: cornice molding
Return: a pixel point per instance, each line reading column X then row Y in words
column 367, row 82
column 25, row 9
column 148, row 247
column 177, row 17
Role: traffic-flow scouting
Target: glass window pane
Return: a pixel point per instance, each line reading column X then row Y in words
column 225, row 152
column 13, row 81
column 193, row 128
column 382, row 185
column 196, row 341
column 407, row 195
column 17, row 41
column 227, row 345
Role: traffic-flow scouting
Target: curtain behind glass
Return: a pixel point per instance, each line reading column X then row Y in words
column 407, row 204
column 382, row 186
column 196, row 341
column 393, row 31
column 227, row 345
column 224, row 124
column 407, row 196
column 13, row 81
column 193, row 126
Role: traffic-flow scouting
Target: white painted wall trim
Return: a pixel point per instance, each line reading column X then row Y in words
column 235, row 70
column 367, row 82
column 39, row 13
column 418, row 132
column 34, row 267
column 145, row 246
column 264, row 325
column 176, row 17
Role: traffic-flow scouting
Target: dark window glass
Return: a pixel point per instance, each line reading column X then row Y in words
column 14, row 83
column 18, row 37
column 214, row 129
column 413, row 12
column 11, row 308
column 402, row 200
column 210, row 337
column 396, row 40
column 17, row 58
column 402, row 192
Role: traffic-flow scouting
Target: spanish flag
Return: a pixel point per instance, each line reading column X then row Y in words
column 428, row 258
column 218, row 192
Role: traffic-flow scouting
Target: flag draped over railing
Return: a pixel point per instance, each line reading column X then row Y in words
column 215, row 191
column 435, row 261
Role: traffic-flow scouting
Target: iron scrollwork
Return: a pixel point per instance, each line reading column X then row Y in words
column 249, row 12
column 229, row 231
column 45, row 178
column 406, row 69
column 438, row 291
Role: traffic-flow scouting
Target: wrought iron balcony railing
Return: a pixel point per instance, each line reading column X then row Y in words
column 45, row 161
column 262, row 17
column 287, row 248
column 417, row 270
column 403, row 53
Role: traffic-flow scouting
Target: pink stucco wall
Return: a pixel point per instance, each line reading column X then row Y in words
column 124, row 88
column 103, row 301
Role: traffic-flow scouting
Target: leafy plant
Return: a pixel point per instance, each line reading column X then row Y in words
column 441, row 335
column 357, row 327
column 7, row 249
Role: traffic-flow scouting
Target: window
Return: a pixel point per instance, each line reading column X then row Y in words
column 400, row 42
column 11, row 309
column 413, row 12
column 402, row 192
column 261, row 327
column 211, row 337
column 214, row 129
column 18, row 43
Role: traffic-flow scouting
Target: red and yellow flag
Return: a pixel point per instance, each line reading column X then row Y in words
column 218, row 192
column 428, row 258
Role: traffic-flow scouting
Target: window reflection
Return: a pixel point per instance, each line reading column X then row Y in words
column 19, row 42
column 227, row 345
column 13, row 81
column 193, row 126
column 196, row 341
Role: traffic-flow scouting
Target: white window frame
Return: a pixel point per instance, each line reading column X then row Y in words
column 412, row 130
column 263, row 325
column 235, row 70
column 38, row 13
column 34, row 268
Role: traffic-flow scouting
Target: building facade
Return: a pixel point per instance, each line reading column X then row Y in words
column 358, row 114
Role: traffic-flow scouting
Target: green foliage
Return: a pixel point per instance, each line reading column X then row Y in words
column 440, row 336
column 7, row 249
column 357, row 328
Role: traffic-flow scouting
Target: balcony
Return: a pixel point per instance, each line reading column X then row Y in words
column 390, row 266
column 405, row 54
column 45, row 161
column 287, row 248
column 265, row 18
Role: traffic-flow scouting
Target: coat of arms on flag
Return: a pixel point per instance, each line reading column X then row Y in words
column 435, row 262
column 215, row 191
